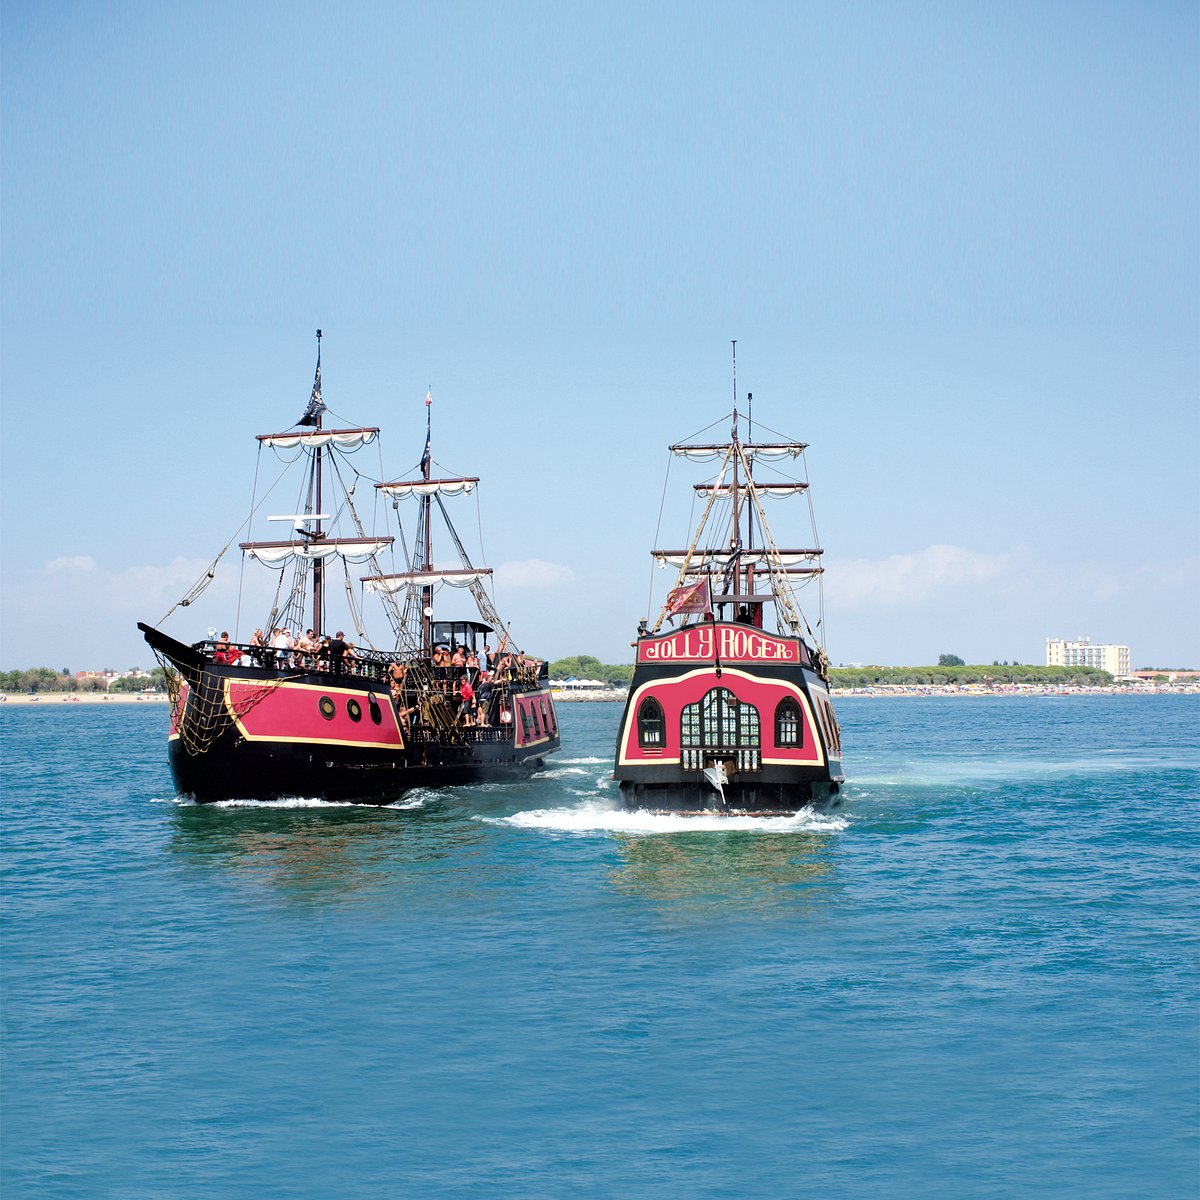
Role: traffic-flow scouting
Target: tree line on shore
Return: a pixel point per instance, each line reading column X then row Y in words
column 942, row 676
column 617, row 675
column 584, row 666
column 46, row 679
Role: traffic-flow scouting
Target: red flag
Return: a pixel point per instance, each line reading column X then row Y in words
column 429, row 397
column 689, row 598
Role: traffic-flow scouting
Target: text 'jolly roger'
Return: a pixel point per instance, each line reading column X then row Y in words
column 729, row 643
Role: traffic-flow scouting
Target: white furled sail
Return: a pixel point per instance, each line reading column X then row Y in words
column 318, row 439
column 767, row 451
column 701, row 560
column 274, row 554
column 403, row 489
column 390, row 584
column 724, row 490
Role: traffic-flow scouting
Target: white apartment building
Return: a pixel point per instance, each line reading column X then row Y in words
column 1081, row 653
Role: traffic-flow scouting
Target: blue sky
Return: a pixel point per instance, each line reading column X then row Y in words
column 958, row 245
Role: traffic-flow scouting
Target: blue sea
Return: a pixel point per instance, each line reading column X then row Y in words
column 979, row 977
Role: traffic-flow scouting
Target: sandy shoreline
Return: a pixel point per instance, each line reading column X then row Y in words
column 64, row 699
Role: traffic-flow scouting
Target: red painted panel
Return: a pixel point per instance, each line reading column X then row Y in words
column 291, row 712
column 764, row 694
column 528, row 705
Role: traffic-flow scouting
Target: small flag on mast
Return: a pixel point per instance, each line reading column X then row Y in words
column 316, row 406
column 689, row 598
column 429, row 397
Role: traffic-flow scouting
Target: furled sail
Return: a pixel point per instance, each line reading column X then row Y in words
column 766, row 451
column 717, row 559
column 391, row 584
column 429, row 487
column 317, row 439
column 724, row 490
column 351, row 549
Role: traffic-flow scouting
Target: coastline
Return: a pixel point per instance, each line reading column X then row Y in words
column 618, row 695
column 72, row 698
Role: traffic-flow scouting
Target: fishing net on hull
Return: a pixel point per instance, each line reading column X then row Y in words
column 204, row 712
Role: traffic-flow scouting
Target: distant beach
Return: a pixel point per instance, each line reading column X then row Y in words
column 616, row 695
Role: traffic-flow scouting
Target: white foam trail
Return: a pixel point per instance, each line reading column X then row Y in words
column 288, row 802
column 594, row 817
column 576, row 761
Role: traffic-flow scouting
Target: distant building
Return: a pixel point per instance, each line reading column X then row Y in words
column 1081, row 653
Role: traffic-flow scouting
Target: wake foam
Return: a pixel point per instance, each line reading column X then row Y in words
column 594, row 817
column 288, row 802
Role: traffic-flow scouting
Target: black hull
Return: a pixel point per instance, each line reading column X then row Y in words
column 219, row 749
column 280, row 771
column 757, row 799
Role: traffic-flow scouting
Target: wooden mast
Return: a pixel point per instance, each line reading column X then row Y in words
column 427, row 513
column 318, row 565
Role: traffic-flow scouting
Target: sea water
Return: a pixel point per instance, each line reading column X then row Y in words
column 978, row 977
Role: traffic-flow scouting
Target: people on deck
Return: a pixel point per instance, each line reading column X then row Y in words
column 338, row 651
column 484, row 698
column 224, row 652
column 466, row 709
column 397, row 676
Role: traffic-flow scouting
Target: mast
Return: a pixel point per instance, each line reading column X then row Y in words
column 737, row 534
column 426, row 514
column 318, row 565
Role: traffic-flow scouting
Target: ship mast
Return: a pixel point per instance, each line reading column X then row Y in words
column 426, row 514
column 318, row 565
column 737, row 535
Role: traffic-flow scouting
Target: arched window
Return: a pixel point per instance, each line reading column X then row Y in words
column 719, row 721
column 789, row 729
column 650, row 722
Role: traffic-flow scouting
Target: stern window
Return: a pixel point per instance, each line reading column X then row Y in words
column 650, row 723
column 787, row 723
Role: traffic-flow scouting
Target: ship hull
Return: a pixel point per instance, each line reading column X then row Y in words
column 278, row 770
column 262, row 733
column 722, row 718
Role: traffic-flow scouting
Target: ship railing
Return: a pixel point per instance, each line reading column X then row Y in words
column 422, row 734
column 745, row 758
column 366, row 664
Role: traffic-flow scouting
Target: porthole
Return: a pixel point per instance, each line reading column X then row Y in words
column 327, row 707
column 376, row 711
column 354, row 709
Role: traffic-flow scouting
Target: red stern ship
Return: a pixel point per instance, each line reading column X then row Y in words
column 314, row 712
column 726, row 714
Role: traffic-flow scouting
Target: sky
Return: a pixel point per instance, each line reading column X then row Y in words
column 958, row 246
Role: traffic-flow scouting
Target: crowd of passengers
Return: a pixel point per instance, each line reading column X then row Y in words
column 473, row 684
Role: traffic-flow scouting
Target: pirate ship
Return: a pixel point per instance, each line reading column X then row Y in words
column 729, row 710
column 277, row 715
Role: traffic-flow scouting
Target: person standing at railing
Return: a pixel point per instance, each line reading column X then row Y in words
column 484, row 698
column 466, row 709
column 339, row 650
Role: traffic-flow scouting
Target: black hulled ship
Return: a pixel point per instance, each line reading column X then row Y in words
column 294, row 710
column 729, row 710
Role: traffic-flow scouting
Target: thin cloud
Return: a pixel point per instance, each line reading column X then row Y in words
column 905, row 579
column 534, row 573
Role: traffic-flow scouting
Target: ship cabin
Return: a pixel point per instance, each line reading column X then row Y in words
column 470, row 635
